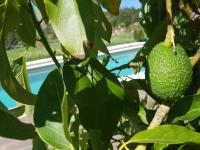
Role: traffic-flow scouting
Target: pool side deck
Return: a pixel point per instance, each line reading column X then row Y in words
column 10, row 144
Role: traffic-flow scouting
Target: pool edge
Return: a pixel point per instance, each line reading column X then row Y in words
column 113, row 49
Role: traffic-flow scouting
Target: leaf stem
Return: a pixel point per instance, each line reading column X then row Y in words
column 169, row 39
column 43, row 38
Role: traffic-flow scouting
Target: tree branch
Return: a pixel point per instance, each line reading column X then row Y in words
column 191, row 14
column 42, row 36
column 132, row 64
column 194, row 60
column 159, row 116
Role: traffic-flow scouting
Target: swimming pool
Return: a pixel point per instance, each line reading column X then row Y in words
column 38, row 75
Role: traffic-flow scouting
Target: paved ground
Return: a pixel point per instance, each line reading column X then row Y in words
column 7, row 144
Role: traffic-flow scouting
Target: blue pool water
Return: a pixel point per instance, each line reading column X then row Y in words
column 37, row 76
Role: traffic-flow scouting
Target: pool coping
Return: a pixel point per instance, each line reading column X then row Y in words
column 113, row 49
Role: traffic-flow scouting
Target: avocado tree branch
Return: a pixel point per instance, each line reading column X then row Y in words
column 185, row 7
column 42, row 36
column 191, row 14
column 194, row 60
column 132, row 64
column 169, row 39
column 160, row 115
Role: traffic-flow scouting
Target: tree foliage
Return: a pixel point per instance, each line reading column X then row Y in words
column 126, row 17
column 82, row 105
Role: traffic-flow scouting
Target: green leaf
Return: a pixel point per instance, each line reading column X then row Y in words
column 17, row 92
column 2, row 106
column 143, row 115
column 158, row 146
column 11, row 127
column 38, row 144
column 151, row 17
column 99, row 98
column 111, row 5
column 16, row 67
column 20, row 72
column 130, row 110
column 25, row 73
column 98, row 45
column 186, row 109
column 166, row 134
column 48, row 116
column 103, row 30
column 65, row 111
column 156, row 36
column 9, row 15
column 26, row 30
column 103, row 27
column 4, row 63
column 154, row 22
column 10, row 83
column 75, row 132
column 198, row 92
column 17, row 111
column 73, row 23
column 131, row 106
column 131, row 90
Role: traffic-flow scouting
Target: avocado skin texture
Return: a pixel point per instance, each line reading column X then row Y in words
column 168, row 73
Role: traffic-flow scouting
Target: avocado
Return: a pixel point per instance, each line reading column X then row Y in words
column 168, row 72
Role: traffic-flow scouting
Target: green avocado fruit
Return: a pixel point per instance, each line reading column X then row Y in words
column 168, row 72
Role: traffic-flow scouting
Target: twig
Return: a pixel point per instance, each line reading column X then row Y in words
column 40, row 22
column 160, row 115
column 122, row 131
column 135, row 63
column 128, row 65
column 191, row 14
column 122, row 67
column 185, row 7
column 194, row 60
column 42, row 36
column 116, row 140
